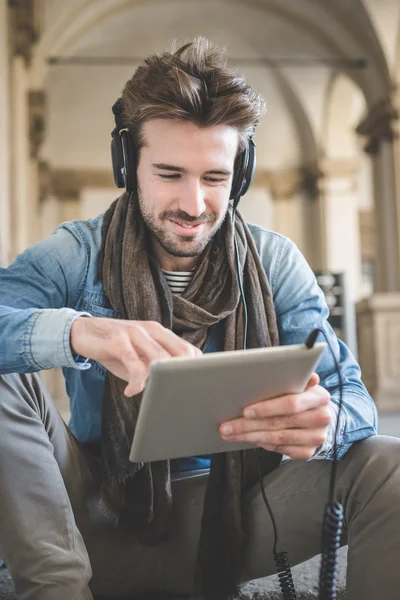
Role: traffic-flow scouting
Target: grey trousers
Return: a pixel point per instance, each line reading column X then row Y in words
column 59, row 546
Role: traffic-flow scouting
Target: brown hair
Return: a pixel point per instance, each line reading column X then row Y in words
column 191, row 83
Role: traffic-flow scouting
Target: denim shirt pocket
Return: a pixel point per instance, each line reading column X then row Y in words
column 97, row 304
column 97, row 310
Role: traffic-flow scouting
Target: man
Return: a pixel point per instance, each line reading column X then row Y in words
column 156, row 277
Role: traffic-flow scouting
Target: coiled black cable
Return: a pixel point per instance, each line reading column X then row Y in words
column 285, row 576
column 331, row 531
column 333, row 515
column 281, row 558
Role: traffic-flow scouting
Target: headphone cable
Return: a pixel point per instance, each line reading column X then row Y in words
column 333, row 514
column 281, row 558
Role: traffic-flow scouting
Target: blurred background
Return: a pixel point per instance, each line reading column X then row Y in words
column 328, row 170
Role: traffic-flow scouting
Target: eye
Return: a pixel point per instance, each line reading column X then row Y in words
column 174, row 176
column 213, row 180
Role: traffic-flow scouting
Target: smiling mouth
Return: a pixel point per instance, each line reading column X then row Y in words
column 186, row 225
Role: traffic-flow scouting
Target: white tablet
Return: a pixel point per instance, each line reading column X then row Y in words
column 186, row 399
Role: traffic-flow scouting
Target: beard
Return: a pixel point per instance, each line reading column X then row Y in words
column 183, row 246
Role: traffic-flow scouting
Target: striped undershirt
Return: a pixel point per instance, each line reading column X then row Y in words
column 178, row 280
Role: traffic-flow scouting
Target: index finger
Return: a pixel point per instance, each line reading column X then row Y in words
column 170, row 341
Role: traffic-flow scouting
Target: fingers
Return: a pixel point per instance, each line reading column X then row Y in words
column 141, row 343
column 289, row 405
column 281, row 438
column 126, row 365
column 152, row 341
column 146, row 346
column 292, row 429
column 314, row 418
column 126, row 348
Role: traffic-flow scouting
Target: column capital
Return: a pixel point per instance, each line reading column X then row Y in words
column 339, row 168
column 67, row 184
column 37, row 104
column 379, row 124
column 24, row 30
column 339, row 174
column 283, row 183
column 311, row 180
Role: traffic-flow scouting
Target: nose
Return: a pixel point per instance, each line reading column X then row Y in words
column 192, row 201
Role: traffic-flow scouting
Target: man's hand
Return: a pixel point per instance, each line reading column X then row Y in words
column 126, row 348
column 295, row 425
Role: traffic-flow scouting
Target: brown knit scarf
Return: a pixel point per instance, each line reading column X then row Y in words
column 138, row 496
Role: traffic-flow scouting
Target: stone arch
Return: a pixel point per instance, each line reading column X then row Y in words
column 305, row 132
column 302, row 211
column 344, row 107
column 329, row 25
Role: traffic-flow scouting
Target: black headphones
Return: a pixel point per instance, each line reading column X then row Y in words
column 124, row 158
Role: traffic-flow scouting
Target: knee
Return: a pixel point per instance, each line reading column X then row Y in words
column 20, row 391
column 369, row 486
column 378, row 448
column 376, row 463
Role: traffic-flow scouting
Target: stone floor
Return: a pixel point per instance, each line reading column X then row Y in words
column 305, row 576
column 263, row 589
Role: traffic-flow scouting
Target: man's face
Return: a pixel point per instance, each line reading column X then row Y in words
column 185, row 177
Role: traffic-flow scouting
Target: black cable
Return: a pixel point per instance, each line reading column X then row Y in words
column 333, row 515
column 240, row 281
column 281, row 558
column 310, row 343
column 331, row 532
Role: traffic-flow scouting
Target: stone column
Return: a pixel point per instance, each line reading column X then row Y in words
column 295, row 209
column 5, row 198
column 257, row 205
column 298, row 212
column 316, row 207
column 312, row 215
column 378, row 317
column 66, row 194
column 338, row 209
column 23, row 35
column 50, row 207
column 284, row 185
column 379, row 129
column 340, row 221
column 21, row 185
column 28, row 133
column 36, row 123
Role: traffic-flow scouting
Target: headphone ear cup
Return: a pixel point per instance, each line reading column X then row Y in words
column 245, row 166
column 250, row 167
column 130, row 166
column 117, row 156
column 238, row 174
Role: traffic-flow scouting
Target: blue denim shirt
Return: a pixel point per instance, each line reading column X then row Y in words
column 52, row 283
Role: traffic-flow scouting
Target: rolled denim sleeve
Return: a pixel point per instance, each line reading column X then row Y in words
column 48, row 339
column 38, row 293
column 300, row 307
